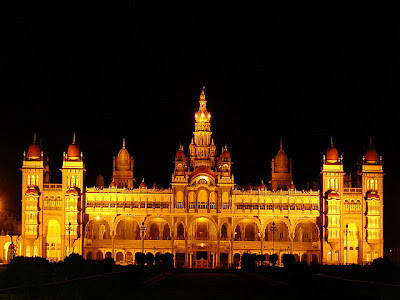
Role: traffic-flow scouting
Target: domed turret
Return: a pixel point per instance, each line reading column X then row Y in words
column 225, row 155
column 34, row 151
column 332, row 154
column 370, row 156
column 73, row 152
column 142, row 184
column 180, row 154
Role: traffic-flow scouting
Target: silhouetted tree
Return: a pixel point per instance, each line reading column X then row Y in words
column 288, row 260
column 149, row 259
column 140, row 258
column 273, row 258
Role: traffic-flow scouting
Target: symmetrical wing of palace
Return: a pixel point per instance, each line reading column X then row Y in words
column 203, row 219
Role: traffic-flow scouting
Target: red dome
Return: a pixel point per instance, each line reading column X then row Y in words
column 225, row 154
column 34, row 151
column 143, row 184
column 262, row 185
column 332, row 155
column 73, row 151
column 371, row 156
column 180, row 154
column 112, row 184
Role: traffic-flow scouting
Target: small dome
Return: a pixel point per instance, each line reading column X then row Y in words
column 180, row 154
column 143, row 184
column 113, row 184
column 262, row 185
column 73, row 150
column 371, row 156
column 225, row 154
column 332, row 155
column 34, row 152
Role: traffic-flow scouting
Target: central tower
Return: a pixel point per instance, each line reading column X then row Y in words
column 202, row 148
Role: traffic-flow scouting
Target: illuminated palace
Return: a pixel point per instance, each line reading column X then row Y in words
column 203, row 219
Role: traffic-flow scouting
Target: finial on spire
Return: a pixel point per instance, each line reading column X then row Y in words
column 123, row 143
column 73, row 138
column 34, row 137
column 280, row 144
column 331, row 141
column 370, row 142
column 202, row 91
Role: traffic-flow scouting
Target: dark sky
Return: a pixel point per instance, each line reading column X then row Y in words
column 301, row 73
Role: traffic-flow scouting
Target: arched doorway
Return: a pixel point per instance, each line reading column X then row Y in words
column 351, row 244
column 180, row 232
column 154, row 232
column 306, row 231
column 224, row 232
column 280, row 234
column 53, row 240
column 127, row 229
column 166, row 232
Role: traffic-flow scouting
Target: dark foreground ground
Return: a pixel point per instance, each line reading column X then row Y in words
column 205, row 284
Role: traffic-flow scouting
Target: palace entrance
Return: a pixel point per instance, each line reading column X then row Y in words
column 202, row 260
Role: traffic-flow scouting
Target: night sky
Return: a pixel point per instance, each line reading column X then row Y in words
column 135, row 71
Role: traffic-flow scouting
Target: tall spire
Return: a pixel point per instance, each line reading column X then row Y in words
column 123, row 143
column 73, row 138
column 34, row 137
column 202, row 116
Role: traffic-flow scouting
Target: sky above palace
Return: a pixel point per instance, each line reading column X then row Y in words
column 135, row 71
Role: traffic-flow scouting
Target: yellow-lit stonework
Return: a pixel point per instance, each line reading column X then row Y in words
column 203, row 219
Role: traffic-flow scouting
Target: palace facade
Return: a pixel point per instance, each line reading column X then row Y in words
column 203, row 219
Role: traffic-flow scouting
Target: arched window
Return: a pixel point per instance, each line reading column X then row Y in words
column 224, row 232
column 180, row 232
